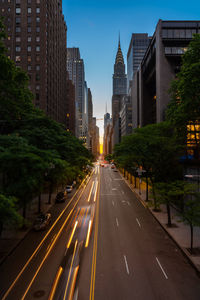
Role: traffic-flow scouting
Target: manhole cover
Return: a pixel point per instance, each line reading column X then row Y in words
column 39, row 294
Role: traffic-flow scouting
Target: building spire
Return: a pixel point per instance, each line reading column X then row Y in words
column 119, row 56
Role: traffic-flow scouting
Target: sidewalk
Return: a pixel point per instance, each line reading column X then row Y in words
column 11, row 238
column 180, row 232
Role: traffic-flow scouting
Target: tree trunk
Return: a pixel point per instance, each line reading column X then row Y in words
column 191, row 238
column 50, row 193
column 147, row 189
column 154, row 196
column 39, row 203
column 169, row 222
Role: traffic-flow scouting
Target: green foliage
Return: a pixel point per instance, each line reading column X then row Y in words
column 184, row 107
column 109, row 157
column 35, row 151
column 8, row 213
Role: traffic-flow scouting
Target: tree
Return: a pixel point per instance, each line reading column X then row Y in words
column 155, row 149
column 8, row 211
column 173, row 193
column 191, row 214
column 184, row 108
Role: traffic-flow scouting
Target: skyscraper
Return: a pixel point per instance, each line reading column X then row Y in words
column 137, row 48
column 36, row 42
column 119, row 76
column 75, row 68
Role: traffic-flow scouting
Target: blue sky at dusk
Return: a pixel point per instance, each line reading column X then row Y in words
column 94, row 27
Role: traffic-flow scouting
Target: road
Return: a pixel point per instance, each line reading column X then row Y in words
column 102, row 244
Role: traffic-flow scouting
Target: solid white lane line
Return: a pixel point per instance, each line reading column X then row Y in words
column 113, row 203
column 161, row 268
column 138, row 222
column 117, row 222
column 127, row 269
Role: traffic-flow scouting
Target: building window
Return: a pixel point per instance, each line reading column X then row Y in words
column 37, row 10
column 17, row 1
column 8, row 9
column 29, row 1
column 38, row 68
column 18, row 29
column 37, row 58
column 38, row 87
column 29, row 10
column 29, row 39
column 38, row 48
column 18, row 20
column 9, row 38
column 37, row 77
column 29, row 48
column 17, row 58
column 29, row 68
column 18, row 39
column 18, row 10
column 38, row 1
column 17, row 48
column 38, row 19
column 37, row 29
column 29, row 58
column 37, row 96
column 37, row 39
column 29, row 20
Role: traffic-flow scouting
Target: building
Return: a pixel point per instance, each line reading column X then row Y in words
column 36, row 42
column 126, row 116
column 119, row 91
column 75, row 68
column 95, row 139
column 70, row 107
column 107, row 121
column 119, row 76
column 90, row 116
column 137, row 48
column 158, row 68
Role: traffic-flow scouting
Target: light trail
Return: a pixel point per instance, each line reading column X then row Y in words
column 70, row 270
column 40, row 244
column 72, row 234
column 127, row 269
column 89, row 197
column 53, row 290
column 88, row 234
column 94, row 257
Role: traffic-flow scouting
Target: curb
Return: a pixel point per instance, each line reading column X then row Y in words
column 165, row 229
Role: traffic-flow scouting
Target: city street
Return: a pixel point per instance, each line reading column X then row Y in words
column 127, row 256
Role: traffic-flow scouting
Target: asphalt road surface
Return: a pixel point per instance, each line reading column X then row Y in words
column 103, row 244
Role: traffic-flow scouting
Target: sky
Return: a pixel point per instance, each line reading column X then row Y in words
column 94, row 26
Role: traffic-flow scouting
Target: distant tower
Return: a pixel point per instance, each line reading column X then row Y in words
column 119, row 76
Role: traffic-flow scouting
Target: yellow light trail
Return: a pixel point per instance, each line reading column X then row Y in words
column 45, row 237
column 88, row 234
column 53, row 290
column 51, row 247
column 73, row 283
column 96, row 188
column 70, row 270
column 93, row 272
column 72, row 234
column 90, row 192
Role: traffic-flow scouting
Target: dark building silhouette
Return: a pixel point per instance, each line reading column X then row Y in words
column 36, row 42
column 137, row 48
column 70, row 107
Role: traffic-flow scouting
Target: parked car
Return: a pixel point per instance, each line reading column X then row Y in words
column 112, row 166
column 61, row 196
column 69, row 188
column 42, row 221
